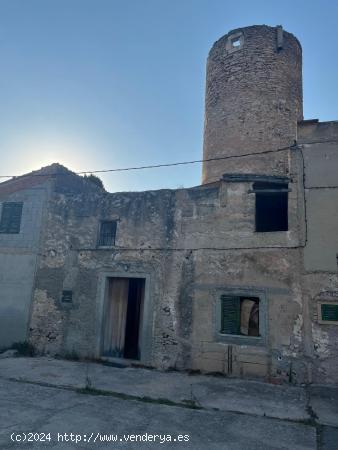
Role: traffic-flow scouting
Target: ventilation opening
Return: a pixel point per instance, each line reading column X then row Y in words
column 123, row 318
column 67, row 297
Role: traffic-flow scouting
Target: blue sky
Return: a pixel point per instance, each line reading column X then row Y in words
column 96, row 84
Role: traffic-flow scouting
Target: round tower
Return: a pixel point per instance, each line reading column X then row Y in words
column 253, row 95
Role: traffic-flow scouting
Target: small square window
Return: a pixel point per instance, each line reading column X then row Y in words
column 67, row 297
column 236, row 42
column 107, row 233
column 240, row 315
column 271, row 206
column 328, row 313
column 11, row 217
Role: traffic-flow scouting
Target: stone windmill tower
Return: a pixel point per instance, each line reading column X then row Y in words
column 253, row 99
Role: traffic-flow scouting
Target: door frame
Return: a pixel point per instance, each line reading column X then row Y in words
column 146, row 330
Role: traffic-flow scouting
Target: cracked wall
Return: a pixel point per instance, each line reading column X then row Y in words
column 190, row 244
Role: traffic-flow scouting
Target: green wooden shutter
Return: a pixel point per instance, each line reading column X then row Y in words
column 11, row 218
column 329, row 312
column 230, row 311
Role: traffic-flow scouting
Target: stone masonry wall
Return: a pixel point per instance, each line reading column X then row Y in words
column 190, row 245
column 253, row 96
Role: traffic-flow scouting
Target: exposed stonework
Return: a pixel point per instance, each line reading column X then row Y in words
column 46, row 324
column 192, row 244
column 191, row 247
column 253, row 97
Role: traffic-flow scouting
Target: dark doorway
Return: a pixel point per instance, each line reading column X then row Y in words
column 123, row 318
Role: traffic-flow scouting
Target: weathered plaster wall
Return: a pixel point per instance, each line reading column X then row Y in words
column 71, row 259
column 322, row 338
column 190, row 244
column 322, row 219
column 18, row 255
column 271, row 274
column 319, row 144
column 193, row 245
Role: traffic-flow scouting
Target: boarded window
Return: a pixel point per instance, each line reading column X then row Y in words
column 107, row 233
column 271, row 206
column 240, row 315
column 11, row 217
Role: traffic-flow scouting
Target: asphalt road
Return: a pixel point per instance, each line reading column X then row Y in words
column 48, row 416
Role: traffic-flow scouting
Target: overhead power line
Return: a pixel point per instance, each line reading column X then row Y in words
column 152, row 166
column 182, row 163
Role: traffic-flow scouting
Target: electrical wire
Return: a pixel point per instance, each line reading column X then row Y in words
column 181, row 163
column 153, row 166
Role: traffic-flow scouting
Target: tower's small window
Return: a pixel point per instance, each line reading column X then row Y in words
column 236, row 42
column 11, row 217
column 271, row 206
column 107, row 233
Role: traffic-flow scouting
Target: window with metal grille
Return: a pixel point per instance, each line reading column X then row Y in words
column 107, row 233
column 240, row 315
column 11, row 213
column 271, row 206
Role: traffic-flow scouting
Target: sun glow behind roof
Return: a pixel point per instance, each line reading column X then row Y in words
column 26, row 154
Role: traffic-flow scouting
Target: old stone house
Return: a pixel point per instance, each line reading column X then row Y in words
column 236, row 276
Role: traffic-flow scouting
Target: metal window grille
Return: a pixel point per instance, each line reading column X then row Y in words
column 107, row 233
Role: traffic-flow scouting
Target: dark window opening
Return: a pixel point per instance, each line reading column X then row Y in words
column 271, row 206
column 107, row 233
column 240, row 315
column 123, row 318
column 67, row 297
column 11, row 218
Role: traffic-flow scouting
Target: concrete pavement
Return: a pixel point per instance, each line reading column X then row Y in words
column 308, row 416
column 209, row 392
column 43, row 410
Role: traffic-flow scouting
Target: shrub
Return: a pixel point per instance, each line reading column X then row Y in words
column 24, row 348
column 94, row 179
